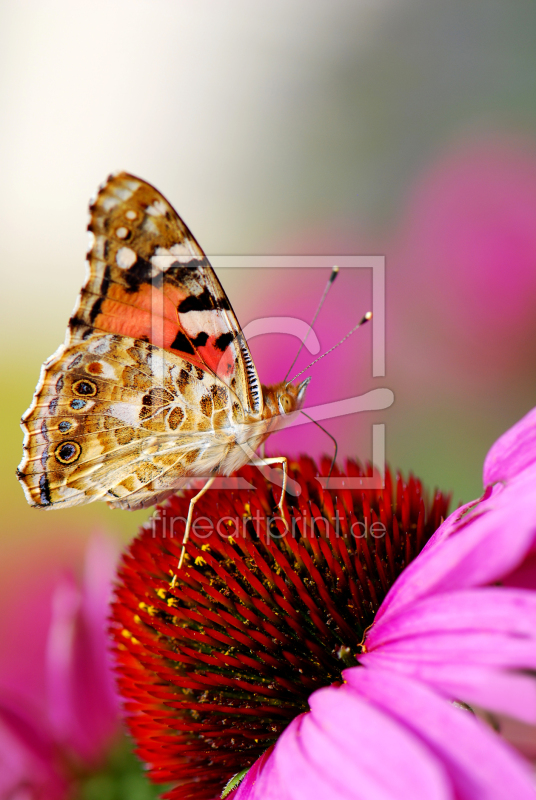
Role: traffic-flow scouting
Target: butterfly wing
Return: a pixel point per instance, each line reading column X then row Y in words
column 149, row 279
column 112, row 421
column 154, row 364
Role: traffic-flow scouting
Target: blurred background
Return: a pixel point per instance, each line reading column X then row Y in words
column 296, row 128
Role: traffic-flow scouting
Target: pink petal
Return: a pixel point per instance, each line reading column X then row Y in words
column 65, row 605
column 249, row 784
column 348, row 749
column 525, row 575
column 513, row 452
column 99, row 572
column 480, row 765
column 82, row 703
column 450, row 525
column 443, row 637
column 489, row 688
column 486, row 649
column 28, row 767
column 487, row 544
column 490, row 608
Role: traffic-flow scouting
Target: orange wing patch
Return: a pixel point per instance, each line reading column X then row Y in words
column 150, row 280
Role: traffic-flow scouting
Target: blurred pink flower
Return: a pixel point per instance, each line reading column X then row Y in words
column 71, row 725
column 29, row 766
column 464, row 262
column 459, row 624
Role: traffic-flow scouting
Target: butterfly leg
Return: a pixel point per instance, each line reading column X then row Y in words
column 283, row 463
column 193, row 501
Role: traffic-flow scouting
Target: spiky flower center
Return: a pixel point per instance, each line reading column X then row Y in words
column 214, row 667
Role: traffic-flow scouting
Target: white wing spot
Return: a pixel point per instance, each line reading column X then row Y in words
column 163, row 258
column 150, row 226
column 180, row 250
column 108, row 202
column 126, row 412
column 101, row 346
column 131, row 215
column 121, row 232
column 209, row 321
column 156, row 209
column 126, row 191
column 125, row 258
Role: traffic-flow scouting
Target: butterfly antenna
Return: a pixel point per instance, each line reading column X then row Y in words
column 366, row 318
column 333, row 439
column 334, row 273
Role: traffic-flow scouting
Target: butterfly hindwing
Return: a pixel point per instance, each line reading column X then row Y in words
column 110, row 423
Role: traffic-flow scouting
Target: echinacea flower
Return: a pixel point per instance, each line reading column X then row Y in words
column 82, row 700
column 49, row 741
column 465, row 251
column 343, row 659
column 29, row 766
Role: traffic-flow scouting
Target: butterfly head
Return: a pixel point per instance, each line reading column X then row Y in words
column 285, row 397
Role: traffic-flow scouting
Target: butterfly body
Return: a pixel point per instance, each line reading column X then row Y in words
column 155, row 384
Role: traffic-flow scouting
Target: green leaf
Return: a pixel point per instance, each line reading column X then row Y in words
column 233, row 783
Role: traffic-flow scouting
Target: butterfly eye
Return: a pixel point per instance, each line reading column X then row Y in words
column 285, row 404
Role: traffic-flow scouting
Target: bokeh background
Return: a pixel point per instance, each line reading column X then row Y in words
column 301, row 127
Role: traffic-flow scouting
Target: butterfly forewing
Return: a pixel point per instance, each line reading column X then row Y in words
column 149, row 279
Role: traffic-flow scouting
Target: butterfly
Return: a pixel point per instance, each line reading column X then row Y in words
column 155, row 384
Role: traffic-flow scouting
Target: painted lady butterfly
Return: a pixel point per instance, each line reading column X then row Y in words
column 155, row 383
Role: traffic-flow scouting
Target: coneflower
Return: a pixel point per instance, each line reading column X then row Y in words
column 285, row 653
